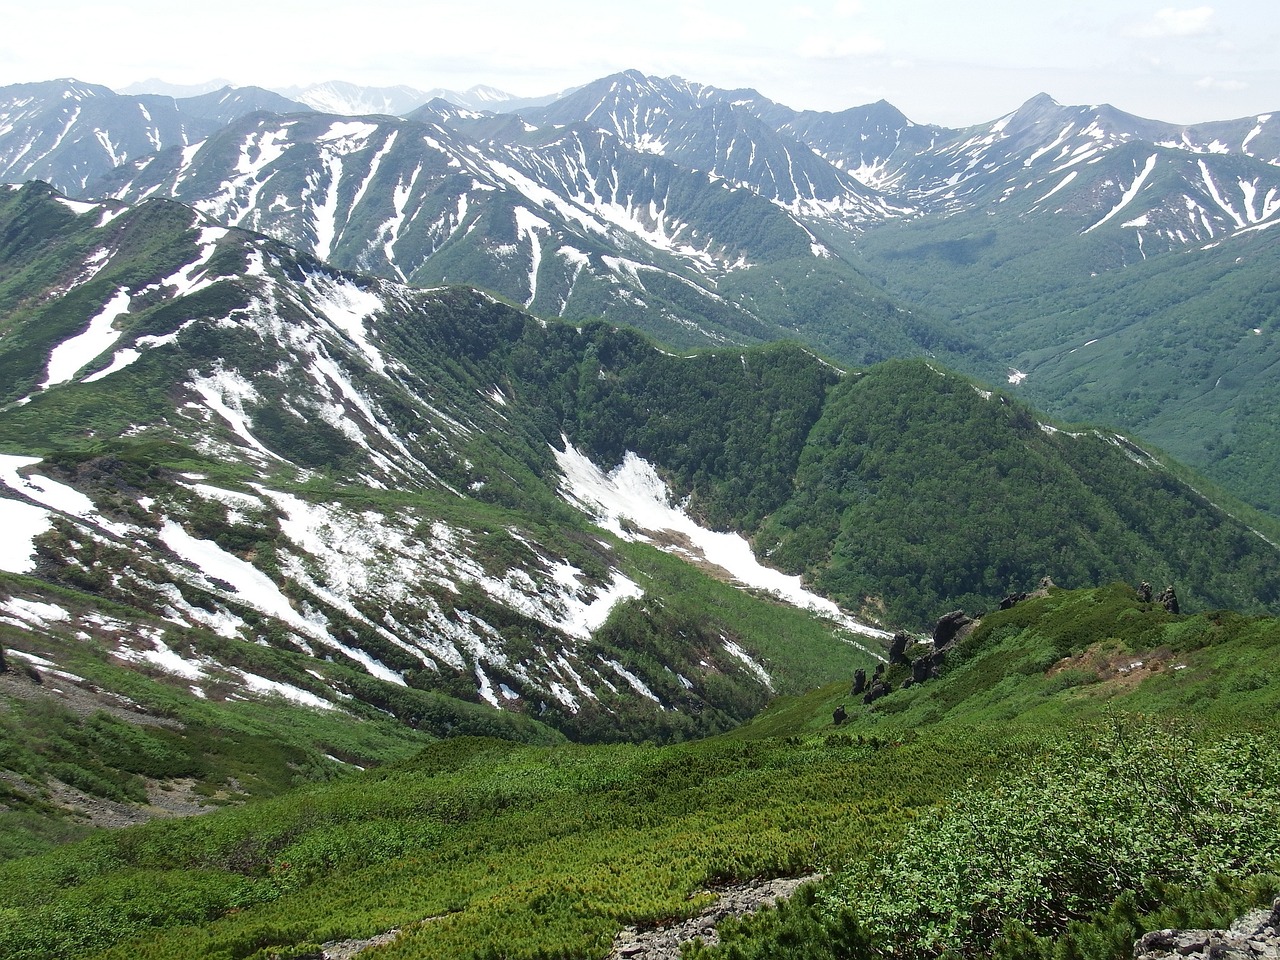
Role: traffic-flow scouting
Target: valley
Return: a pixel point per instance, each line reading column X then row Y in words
column 457, row 530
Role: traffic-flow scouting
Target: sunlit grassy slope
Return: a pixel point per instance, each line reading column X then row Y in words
column 481, row 848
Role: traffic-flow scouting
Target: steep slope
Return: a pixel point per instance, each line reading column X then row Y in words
column 293, row 369
column 1023, row 796
column 249, row 475
column 915, row 490
column 569, row 222
column 341, row 468
column 874, row 143
column 1182, row 350
column 720, row 133
column 71, row 133
column 1120, row 267
column 565, row 226
column 1046, row 150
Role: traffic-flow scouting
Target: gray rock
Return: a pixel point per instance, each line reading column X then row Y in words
column 1255, row 936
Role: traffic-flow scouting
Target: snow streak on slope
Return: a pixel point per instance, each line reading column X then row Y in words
column 634, row 492
column 22, row 522
column 348, row 307
column 70, row 355
column 1129, row 194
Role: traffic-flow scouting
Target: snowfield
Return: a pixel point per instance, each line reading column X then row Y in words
column 634, row 492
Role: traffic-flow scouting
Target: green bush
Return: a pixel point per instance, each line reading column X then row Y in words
column 1128, row 813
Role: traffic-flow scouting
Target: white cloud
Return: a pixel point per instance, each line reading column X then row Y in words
column 1173, row 22
column 1213, row 83
column 846, row 9
column 837, row 48
column 701, row 24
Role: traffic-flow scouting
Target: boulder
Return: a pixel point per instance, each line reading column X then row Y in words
column 877, row 690
column 898, row 649
column 948, row 628
column 1255, row 936
column 859, row 682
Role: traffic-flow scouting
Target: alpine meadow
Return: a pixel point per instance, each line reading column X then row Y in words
column 648, row 521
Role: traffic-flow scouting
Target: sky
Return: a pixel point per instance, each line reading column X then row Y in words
column 939, row 61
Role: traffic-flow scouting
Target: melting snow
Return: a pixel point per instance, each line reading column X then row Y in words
column 69, row 356
column 756, row 669
column 49, row 493
column 47, row 666
column 633, row 681
column 263, row 686
column 1065, row 180
column 77, row 206
column 34, row 612
column 634, row 492
column 258, row 590
column 250, row 584
column 1217, row 197
column 163, row 657
column 1130, row 193
column 225, row 393
column 22, row 524
column 347, row 307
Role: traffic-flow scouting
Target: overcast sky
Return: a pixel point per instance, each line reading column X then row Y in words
column 940, row 61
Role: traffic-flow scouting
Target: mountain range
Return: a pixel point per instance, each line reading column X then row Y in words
column 235, row 445
column 707, row 216
column 490, row 449
column 353, row 413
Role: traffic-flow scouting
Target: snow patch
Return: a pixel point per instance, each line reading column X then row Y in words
column 757, row 670
column 71, row 355
column 633, row 492
column 22, row 523
column 1130, row 193
column 347, row 307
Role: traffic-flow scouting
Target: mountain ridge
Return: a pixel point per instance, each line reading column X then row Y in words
column 710, row 216
column 283, row 393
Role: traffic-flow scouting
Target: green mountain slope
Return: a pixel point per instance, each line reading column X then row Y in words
column 267, row 486
column 1180, row 348
column 914, row 490
column 477, row 848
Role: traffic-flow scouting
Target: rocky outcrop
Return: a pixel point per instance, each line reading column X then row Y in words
column 1255, row 936
column 948, row 628
column 877, row 690
column 878, row 686
column 898, row 649
column 663, row 943
column 859, row 682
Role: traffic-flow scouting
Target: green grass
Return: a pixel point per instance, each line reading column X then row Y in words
column 493, row 839
column 477, row 847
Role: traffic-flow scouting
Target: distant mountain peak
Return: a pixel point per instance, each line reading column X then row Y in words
column 158, row 87
column 1041, row 99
